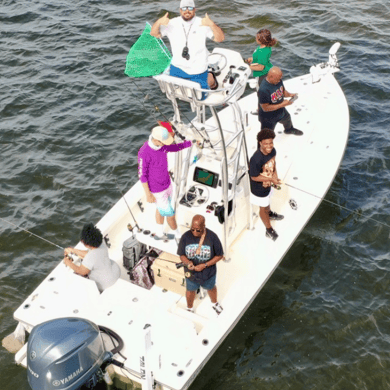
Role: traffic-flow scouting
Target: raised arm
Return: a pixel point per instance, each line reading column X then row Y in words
column 219, row 35
column 177, row 147
column 155, row 30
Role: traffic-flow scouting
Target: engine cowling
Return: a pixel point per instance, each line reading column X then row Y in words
column 65, row 354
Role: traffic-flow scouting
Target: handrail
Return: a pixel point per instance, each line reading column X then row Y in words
column 181, row 176
column 225, row 184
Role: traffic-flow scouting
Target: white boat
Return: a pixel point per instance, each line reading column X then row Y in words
column 177, row 343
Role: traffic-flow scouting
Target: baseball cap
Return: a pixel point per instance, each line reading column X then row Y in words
column 187, row 3
column 161, row 134
column 167, row 125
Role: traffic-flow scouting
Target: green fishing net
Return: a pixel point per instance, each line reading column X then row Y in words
column 148, row 56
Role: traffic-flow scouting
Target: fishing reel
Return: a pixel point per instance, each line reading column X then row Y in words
column 130, row 228
column 73, row 257
column 187, row 274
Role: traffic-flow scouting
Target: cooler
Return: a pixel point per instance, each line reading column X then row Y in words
column 167, row 276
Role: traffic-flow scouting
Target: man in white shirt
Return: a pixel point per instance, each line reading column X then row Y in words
column 187, row 35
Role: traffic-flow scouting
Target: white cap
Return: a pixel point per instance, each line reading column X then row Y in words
column 187, row 3
column 162, row 134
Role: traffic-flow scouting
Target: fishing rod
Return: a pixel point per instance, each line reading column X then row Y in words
column 156, row 255
column 336, row 204
column 70, row 256
column 204, row 139
column 27, row 231
column 136, row 224
column 177, row 265
column 173, row 126
column 156, row 109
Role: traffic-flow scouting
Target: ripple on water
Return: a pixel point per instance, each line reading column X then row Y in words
column 72, row 122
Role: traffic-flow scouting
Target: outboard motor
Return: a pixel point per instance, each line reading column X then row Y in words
column 66, row 354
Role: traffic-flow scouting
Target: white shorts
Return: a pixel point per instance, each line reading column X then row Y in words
column 164, row 202
column 258, row 201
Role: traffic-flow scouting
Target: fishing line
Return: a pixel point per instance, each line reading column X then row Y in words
column 44, row 239
column 342, row 207
column 143, row 101
column 156, row 108
column 58, row 246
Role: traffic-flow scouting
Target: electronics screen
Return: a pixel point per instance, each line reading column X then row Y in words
column 208, row 178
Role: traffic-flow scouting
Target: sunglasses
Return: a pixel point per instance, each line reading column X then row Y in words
column 187, row 8
column 197, row 230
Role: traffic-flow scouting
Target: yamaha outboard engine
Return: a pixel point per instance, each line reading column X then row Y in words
column 65, row 354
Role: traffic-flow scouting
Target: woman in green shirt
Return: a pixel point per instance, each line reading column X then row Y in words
column 260, row 62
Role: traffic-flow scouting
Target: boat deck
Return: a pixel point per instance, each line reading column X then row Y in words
column 184, row 341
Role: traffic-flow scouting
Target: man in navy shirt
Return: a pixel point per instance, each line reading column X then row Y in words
column 272, row 104
column 262, row 172
column 199, row 250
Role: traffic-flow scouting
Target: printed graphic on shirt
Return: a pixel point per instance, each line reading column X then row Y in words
column 268, row 171
column 140, row 168
column 205, row 252
column 277, row 95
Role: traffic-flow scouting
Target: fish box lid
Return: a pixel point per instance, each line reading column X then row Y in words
column 167, row 261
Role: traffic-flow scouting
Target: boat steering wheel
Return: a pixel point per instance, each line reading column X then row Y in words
column 219, row 63
column 197, row 195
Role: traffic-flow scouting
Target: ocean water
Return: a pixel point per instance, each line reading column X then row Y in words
column 71, row 124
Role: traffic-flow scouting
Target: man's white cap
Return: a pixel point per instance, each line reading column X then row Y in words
column 162, row 134
column 187, row 3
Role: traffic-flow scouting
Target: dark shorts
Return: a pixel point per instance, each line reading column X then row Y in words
column 209, row 284
column 271, row 124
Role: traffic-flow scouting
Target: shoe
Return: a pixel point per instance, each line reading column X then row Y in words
column 271, row 234
column 218, row 308
column 293, row 131
column 190, row 309
column 165, row 236
column 275, row 216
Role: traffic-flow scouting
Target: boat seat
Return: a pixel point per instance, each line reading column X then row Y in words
column 189, row 91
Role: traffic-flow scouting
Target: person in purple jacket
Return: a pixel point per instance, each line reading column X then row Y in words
column 154, row 176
